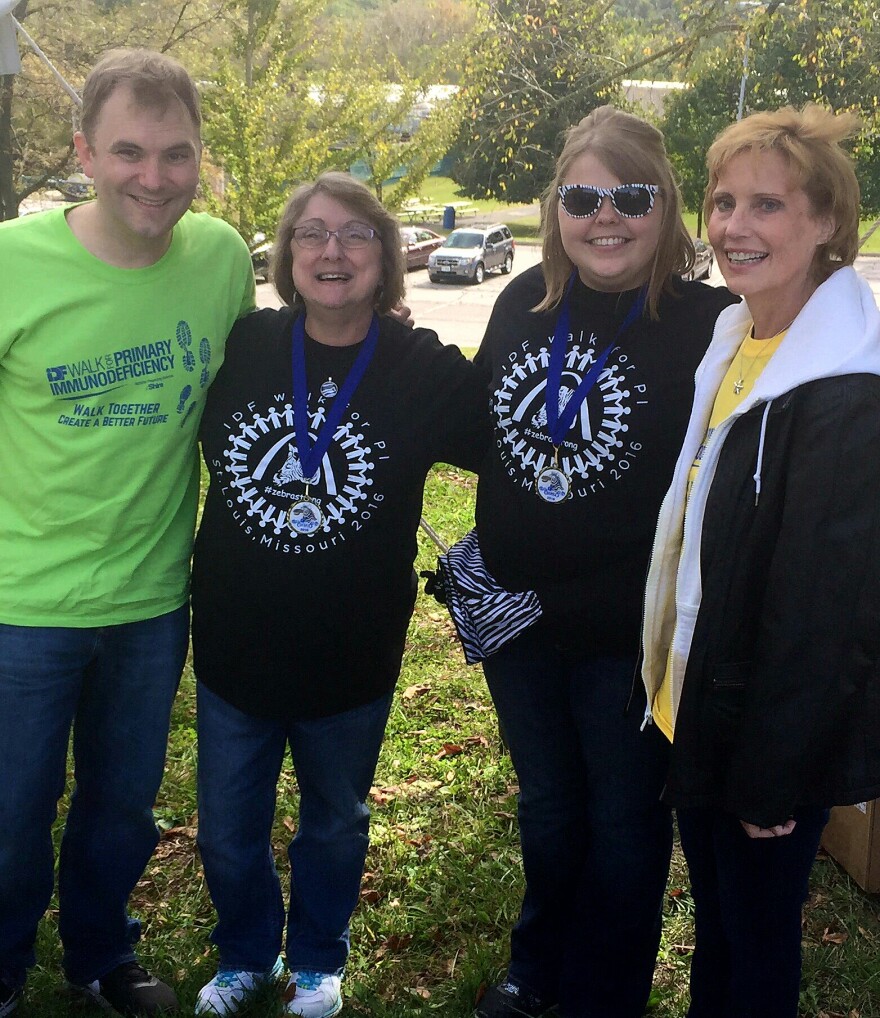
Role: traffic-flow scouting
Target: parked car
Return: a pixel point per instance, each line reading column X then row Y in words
column 417, row 243
column 76, row 187
column 471, row 252
column 261, row 256
column 703, row 263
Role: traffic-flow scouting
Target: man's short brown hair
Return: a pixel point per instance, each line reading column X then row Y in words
column 156, row 80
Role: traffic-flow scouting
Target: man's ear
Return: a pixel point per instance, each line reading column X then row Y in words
column 83, row 152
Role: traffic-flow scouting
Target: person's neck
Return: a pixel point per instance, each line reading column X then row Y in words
column 338, row 326
column 133, row 252
column 771, row 316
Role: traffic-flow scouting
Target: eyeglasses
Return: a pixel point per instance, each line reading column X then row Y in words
column 350, row 236
column 632, row 201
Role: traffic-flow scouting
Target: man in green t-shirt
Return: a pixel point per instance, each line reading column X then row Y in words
column 115, row 315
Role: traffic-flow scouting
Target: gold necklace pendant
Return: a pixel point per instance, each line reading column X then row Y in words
column 739, row 384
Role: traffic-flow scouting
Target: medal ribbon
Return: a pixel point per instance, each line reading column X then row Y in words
column 310, row 458
column 559, row 424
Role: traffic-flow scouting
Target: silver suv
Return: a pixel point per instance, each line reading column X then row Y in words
column 471, row 251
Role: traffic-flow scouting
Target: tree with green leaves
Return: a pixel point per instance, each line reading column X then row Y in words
column 36, row 117
column 694, row 116
column 799, row 52
column 263, row 127
column 555, row 61
column 544, row 54
column 275, row 115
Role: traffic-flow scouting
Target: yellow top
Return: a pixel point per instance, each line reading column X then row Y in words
column 751, row 359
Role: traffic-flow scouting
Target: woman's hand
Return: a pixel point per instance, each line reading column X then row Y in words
column 779, row 831
column 403, row 314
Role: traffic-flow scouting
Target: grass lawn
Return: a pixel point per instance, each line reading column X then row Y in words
column 443, row 878
column 443, row 190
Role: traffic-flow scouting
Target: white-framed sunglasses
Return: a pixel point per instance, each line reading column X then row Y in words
column 632, row 201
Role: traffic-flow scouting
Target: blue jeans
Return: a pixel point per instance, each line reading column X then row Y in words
column 115, row 686
column 596, row 840
column 748, row 896
column 240, row 761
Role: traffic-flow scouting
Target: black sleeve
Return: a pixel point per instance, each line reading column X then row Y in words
column 823, row 571
column 455, row 402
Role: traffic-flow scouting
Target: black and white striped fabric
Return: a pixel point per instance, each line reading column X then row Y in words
column 485, row 614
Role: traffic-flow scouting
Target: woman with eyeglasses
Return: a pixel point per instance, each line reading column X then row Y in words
column 318, row 434
column 592, row 357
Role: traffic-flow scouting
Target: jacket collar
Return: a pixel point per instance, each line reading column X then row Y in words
column 836, row 333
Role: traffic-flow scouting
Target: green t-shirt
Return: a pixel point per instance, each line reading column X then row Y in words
column 103, row 376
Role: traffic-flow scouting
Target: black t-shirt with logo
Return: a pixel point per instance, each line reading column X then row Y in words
column 292, row 625
column 587, row 556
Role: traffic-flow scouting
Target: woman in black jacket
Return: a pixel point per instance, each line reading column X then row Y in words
column 761, row 636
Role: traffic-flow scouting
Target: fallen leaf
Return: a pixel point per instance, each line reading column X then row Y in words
column 289, row 824
column 419, row 842
column 834, row 938
column 449, row 749
column 412, row 691
column 382, row 795
column 370, row 895
column 179, row 832
column 174, row 841
column 676, row 892
column 394, row 943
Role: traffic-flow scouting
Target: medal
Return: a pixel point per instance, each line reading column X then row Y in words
column 553, row 483
column 305, row 516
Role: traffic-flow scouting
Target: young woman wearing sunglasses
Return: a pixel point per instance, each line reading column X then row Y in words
column 592, row 357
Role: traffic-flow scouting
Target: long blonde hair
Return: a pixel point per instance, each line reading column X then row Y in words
column 633, row 151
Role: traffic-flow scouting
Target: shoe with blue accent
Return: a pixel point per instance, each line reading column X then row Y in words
column 313, row 995
column 230, row 988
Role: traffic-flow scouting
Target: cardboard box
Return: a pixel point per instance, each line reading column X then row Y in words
column 852, row 837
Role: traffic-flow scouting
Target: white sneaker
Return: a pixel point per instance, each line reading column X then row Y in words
column 313, row 995
column 229, row 989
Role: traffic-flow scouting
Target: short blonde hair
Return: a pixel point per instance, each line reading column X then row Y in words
column 810, row 140
column 365, row 206
column 634, row 152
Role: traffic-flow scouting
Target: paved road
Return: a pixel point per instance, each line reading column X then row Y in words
column 458, row 312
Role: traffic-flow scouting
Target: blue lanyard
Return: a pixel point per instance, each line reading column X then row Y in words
column 558, row 423
column 310, row 457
